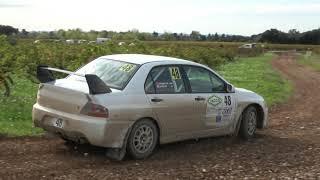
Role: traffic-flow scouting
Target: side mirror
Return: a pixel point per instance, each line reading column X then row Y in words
column 230, row 88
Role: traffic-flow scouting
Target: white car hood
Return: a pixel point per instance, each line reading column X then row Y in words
column 243, row 90
column 245, row 93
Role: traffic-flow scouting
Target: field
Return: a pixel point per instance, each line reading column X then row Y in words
column 257, row 74
column 235, row 45
column 288, row 149
column 248, row 69
column 310, row 60
column 15, row 111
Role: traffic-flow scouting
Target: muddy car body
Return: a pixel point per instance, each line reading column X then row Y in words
column 145, row 100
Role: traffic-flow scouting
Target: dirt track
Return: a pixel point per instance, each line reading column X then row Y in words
column 289, row 148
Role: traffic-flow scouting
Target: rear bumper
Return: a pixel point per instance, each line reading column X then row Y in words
column 96, row 131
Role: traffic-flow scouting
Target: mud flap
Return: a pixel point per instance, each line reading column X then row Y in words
column 237, row 129
column 119, row 154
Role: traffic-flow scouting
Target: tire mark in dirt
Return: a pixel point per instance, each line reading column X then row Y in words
column 300, row 116
column 289, row 148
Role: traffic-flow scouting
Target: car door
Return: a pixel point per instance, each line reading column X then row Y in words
column 166, row 90
column 214, row 106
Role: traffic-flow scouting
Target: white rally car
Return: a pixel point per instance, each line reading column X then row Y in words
column 131, row 103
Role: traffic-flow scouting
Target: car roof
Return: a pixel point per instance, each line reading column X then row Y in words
column 143, row 58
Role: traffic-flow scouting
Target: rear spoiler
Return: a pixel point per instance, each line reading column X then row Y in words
column 95, row 84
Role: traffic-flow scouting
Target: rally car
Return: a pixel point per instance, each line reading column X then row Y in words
column 130, row 103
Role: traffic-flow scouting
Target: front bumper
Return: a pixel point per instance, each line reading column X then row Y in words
column 81, row 128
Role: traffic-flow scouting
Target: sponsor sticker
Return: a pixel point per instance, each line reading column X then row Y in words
column 161, row 85
column 175, row 73
column 214, row 100
column 127, row 67
column 226, row 111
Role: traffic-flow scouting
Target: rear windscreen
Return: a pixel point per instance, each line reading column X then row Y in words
column 115, row 74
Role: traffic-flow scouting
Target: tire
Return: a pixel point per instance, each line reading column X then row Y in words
column 143, row 139
column 248, row 123
column 69, row 144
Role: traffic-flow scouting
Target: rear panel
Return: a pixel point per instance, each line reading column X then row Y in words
column 61, row 99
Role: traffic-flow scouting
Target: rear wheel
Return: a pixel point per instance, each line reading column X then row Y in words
column 70, row 144
column 143, row 139
column 249, row 123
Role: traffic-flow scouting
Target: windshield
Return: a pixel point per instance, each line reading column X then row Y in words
column 114, row 73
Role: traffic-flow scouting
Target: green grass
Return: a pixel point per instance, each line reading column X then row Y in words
column 251, row 73
column 257, row 74
column 312, row 61
column 15, row 111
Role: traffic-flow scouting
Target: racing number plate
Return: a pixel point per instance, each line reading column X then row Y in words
column 58, row 123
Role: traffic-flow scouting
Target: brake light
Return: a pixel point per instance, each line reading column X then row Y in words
column 95, row 110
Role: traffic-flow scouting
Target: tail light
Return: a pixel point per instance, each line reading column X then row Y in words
column 95, row 110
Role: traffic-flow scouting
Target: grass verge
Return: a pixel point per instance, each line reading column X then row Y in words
column 312, row 61
column 255, row 74
column 15, row 111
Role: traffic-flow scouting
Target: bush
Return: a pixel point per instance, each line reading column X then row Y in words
column 25, row 56
column 7, row 64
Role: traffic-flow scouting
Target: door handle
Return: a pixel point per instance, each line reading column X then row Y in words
column 156, row 100
column 199, row 98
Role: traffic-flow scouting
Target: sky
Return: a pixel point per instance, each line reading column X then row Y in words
column 243, row 17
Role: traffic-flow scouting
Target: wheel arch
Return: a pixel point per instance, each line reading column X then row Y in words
column 155, row 122
column 260, row 113
column 150, row 119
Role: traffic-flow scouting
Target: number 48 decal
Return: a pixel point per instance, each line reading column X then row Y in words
column 227, row 100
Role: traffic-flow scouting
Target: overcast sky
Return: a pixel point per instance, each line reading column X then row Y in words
column 244, row 17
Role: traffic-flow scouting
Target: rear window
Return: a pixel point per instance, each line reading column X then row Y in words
column 115, row 74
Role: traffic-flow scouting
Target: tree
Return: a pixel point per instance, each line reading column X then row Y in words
column 203, row 37
column 155, row 34
column 23, row 33
column 195, row 35
column 92, row 35
column 103, row 34
column 43, row 35
column 168, row 36
column 6, row 64
column 274, row 36
column 222, row 37
column 310, row 37
column 293, row 36
column 216, row 37
column 61, row 34
column 8, row 30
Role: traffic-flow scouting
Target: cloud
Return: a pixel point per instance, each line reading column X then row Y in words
column 8, row 5
column 228, row 16
column 259, row 8
column 308, row 8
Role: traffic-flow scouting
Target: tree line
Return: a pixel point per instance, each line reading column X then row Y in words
column 291, row 37
column 269, row 36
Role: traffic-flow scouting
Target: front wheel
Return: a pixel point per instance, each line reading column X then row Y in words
column 249, row 123
column 143, row 139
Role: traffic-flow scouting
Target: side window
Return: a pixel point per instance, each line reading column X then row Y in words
column 149, row 86
column 165, row 80
column 202, row 80
column 218, row 84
